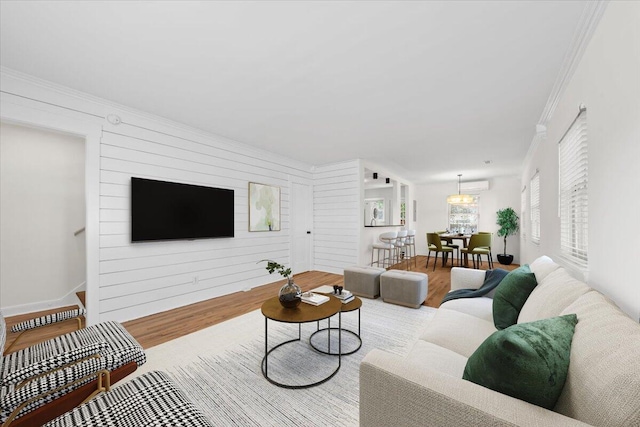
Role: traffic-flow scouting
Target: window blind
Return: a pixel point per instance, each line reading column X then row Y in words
column 573, row 192
column 534, row 192
column 523, row 209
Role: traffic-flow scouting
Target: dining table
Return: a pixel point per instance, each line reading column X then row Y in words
column 450, row 237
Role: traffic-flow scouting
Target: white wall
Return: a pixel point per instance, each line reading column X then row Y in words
column 134, row 280
column 607, row 81
column 336, row 216
column 432, row 211
column 41, row 206
column 369, row 235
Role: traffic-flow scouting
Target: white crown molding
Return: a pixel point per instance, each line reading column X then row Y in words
column 48, row 85
column 589, row 20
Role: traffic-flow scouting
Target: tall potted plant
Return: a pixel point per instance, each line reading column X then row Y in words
column 507, row 219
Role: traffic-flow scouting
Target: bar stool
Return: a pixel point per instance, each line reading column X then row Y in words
column 410, row 244
column 400, row 245
column 387, row 245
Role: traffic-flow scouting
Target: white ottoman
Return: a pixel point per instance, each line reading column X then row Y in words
column 404, row 287
column 363, row 281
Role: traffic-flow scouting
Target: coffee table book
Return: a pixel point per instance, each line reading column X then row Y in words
column 325, row 289
column 315, row 299
column 347, row 300
column 344, row 295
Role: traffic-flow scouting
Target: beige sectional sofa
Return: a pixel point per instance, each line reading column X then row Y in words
column 426, row 387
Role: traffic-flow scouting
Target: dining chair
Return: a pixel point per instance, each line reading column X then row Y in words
column 479, row 244
column 488, row 246
column 450, row 244
column 434, row 244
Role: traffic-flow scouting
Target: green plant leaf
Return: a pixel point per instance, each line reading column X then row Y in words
column 274, row 266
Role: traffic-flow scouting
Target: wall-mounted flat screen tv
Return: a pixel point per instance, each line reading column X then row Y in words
column 163, row 210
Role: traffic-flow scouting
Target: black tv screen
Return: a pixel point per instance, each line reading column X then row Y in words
column 163, row 210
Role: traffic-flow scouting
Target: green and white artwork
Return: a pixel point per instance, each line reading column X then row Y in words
column 264, row 207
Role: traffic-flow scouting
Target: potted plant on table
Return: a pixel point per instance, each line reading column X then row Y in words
column 507, row 219
column 290, row 294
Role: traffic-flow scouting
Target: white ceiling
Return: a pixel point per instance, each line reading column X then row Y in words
column 426, row 89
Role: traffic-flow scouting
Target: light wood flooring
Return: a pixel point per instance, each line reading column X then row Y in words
column 162, row 327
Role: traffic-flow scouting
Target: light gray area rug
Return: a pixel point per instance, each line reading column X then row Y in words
column 219, row 367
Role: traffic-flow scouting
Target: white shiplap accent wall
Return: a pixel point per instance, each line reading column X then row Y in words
column 142, row 278
column 336, row 216
column 125, row 280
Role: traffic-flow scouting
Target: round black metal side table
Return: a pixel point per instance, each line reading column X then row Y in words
column 304, row 313
column 353, row 305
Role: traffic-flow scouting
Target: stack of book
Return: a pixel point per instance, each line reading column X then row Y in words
column 345, row 296
column 314, row 299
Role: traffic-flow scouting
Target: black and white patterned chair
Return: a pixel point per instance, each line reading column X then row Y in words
column 45, row 380
column 151, row 399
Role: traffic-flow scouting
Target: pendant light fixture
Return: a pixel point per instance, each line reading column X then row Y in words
column 459, row 199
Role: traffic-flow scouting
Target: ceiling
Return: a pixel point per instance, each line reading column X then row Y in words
column 426, row 89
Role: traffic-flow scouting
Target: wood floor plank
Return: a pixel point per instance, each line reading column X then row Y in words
column 162, row 327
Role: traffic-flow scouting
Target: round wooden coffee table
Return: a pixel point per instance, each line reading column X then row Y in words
column 353, row 305
column 304, row 313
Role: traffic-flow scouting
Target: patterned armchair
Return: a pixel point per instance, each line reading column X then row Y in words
column 40, row 382
column 151, row 399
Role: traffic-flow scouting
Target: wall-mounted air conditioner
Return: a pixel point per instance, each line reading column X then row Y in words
column 469, row 187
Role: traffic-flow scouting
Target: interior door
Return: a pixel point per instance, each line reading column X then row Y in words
column 301, row 220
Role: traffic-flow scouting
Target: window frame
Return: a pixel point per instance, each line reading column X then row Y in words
column 477, row 214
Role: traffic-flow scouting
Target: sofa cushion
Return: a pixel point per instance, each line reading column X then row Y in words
column 528, row 361
column 551, row 296
column 491, row 281
column 603, row 384
column 510, row 296
column 458, row 332
column 542, row 267
column 479, row 307
column 425, row 355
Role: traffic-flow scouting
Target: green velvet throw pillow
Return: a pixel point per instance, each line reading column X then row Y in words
column 528, row 361
column 510, row 296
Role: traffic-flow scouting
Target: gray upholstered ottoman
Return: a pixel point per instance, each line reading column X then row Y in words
column 404, row 287
column 363, row 281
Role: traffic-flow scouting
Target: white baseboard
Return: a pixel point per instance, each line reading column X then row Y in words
column 69, row 299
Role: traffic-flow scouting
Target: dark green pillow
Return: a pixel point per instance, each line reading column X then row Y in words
column 528, row 361
column 510, row 296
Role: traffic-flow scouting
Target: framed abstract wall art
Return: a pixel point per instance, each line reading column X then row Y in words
column 264, row 207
